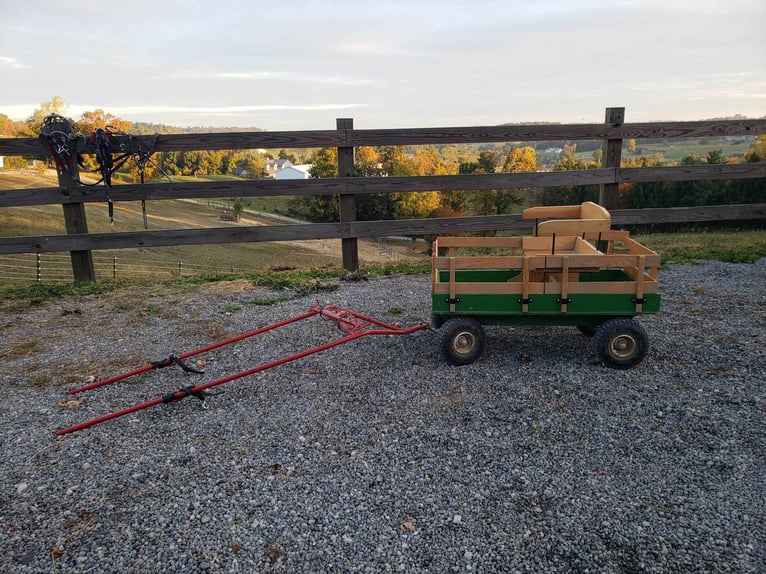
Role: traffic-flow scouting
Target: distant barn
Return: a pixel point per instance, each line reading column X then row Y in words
column 294, row 172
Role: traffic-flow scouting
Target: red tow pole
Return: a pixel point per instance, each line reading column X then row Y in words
column 354, row 324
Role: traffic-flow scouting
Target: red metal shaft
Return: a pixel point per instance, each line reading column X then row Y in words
column 310, row 313
column 183, row 394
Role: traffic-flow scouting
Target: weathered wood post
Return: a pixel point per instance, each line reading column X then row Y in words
column 607, row 195
column 349, row 245
column 75, row 222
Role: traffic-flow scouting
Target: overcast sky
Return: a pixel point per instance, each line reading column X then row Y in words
column 390, row 63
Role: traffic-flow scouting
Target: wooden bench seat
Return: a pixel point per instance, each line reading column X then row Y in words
column 569, row 219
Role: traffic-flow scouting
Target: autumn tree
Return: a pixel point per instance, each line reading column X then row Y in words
column 367, row 162
column 90, row 121
column 698, row 192
column 643, row 194
column 34, row 123
column 750, row 190
column 598, row 156
column 319, row 208
column 415, row 204
column 325, row 163
column 283, row 154
column 372, row 206
column 486, row 163
column 520, row 159
column 570, row 194
column 394, row 161
column 7, row 126
column 428, row 161
column 499, row 201
column 455, row 201
column 757, row 152
column 252, row 162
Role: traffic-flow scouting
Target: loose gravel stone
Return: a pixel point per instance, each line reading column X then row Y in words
column 378, row 456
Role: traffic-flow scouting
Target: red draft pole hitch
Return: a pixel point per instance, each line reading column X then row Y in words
column 353, row 324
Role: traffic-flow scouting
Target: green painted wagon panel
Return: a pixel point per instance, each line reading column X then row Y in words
column 597, row 304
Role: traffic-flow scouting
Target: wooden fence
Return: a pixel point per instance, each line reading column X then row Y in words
column 345, row 138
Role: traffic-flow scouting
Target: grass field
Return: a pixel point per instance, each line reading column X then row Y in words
column 739, row 246
column 674, row 150
column 277, row 204
column 680, row 149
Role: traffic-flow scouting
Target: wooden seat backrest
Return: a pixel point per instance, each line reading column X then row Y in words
column 570, row 219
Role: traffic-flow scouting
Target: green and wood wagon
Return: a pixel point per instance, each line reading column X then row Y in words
column 587, row 276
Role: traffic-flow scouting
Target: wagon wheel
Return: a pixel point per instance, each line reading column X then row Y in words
column 462, row 340
column 437, row 321
column 621, row 343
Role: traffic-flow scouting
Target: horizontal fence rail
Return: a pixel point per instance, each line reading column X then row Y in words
column 80, row 243
column 31, row 147
column 366, row 229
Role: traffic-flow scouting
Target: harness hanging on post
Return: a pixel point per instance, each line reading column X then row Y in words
column 56, row 135
column 102, row 140
column 104, row 143
column 142, row 157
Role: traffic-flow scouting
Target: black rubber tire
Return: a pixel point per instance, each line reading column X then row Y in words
column 462, row 340
column 621, row 343
column 587, row 330
column 437, row 321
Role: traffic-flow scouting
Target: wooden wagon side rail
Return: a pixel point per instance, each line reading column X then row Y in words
column 531, row 272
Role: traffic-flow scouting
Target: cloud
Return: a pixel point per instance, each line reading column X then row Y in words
column 370, row 49
column 246, row 75
column 23, row 111
column 215, row 111
column 228, row 109
column 278, row 76
column 12, row 63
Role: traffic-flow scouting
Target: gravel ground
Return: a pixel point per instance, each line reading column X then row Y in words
column 377, row 456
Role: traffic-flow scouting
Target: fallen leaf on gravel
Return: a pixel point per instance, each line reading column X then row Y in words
column 71, row 403
column 316, row 371
column 272, row 554
column 408, row 524
column 57, row 552
column 601, row 470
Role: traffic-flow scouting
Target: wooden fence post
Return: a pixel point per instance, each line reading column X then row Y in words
column 349, row 245
column 607, row 195
column 75, row 222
